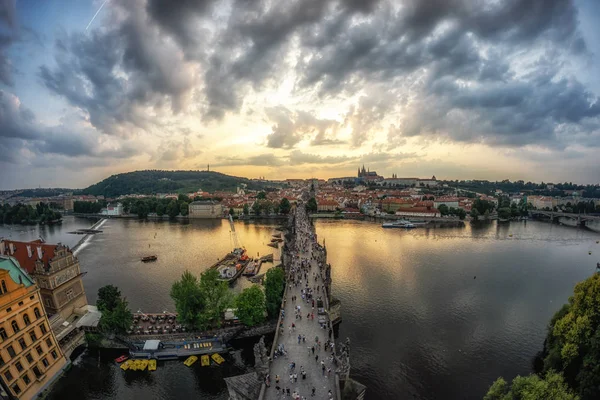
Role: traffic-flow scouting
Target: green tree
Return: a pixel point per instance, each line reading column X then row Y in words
column 108, row 297
column 311, row 205
column 118, row 320
column 274, row 286
column 231, row 211
column 215, row 296
column 443, row 209
column 256, row 208
column 573, row 341
column 251, row 306
column 504, row 213
column 261, row 196
column 474, row 213
column 160, row 209
column 141, row 209
column 188, row 298
column 462, row 214
column 184, row 208
column 532, row 387
column 284, row 206
column 246, row 209
column 173, row 209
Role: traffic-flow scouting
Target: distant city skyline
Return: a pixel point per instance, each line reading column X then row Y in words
column 299, row 89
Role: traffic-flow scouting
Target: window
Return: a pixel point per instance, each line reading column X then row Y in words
column 32, row 335
column 4, row 289
column 8, row 376
column 22, row 343
column 70, row 294
column 37, row 371
column 45, row 362
column 16, row 388
column 11, row 351
column 26, row 379
column 48, row 342
column 2, row 361
column 48, row 302
column 9, row 309
column 39, row 350
column 36, row 311
column 26, row 319
column 3, row 334
column 19, row 366
column 29, row 358
column 31, row 297
column 43, row 329
column 20, row 303
column 15, row 326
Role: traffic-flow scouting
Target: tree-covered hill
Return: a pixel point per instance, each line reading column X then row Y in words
column 156, row 181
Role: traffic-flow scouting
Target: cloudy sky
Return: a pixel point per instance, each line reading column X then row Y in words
column 488, row 89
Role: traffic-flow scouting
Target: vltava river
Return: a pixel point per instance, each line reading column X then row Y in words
column 431, row 313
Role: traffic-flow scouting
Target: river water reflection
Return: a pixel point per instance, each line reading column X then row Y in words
column 431, row 313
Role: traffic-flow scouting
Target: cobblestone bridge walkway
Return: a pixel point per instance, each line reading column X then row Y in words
column 306, row 367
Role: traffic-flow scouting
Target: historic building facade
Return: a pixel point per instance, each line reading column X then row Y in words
column 55, row 270
column 30, row 358
column 205, row 209
column 57, row 273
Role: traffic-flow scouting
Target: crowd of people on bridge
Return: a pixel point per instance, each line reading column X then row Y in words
column 306, row 292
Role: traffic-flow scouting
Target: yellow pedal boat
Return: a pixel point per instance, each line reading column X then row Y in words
column 205, row 360
column 135, row 364
column 126, row 365
column 143, row 364
column 152, row 365
column 217, row 358
column 190, row 360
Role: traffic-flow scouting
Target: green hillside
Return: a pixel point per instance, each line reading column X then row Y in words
column 156, row 181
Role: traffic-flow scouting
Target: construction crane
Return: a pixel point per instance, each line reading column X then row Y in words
column 236, row 242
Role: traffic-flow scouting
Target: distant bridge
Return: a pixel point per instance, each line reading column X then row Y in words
column 590, row 221
column 556, row 214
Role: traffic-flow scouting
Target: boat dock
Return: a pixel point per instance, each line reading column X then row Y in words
column 173, row 350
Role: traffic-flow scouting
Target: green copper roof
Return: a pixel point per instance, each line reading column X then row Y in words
column 15, row 271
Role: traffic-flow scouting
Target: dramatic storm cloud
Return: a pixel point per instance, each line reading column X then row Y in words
column 302, row 87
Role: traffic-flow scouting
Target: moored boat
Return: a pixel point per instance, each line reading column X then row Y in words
column 142, row 365
column 190, row 360
column 126, row 365
column 149, row 258
column 395, row 224
column 217, row 358
column 250, row 269
column 205, row 360
column 152, row 365
column 121, row 359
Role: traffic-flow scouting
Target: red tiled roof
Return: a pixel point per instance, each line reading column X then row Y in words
column 38, row 249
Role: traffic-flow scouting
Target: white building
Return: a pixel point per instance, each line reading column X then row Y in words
column 113, row 210
column 448, row 201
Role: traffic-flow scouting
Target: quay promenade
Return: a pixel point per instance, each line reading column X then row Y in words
column 304, row 363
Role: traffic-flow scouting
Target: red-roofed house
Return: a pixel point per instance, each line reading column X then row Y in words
column 327, row 205
column 55, row 270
